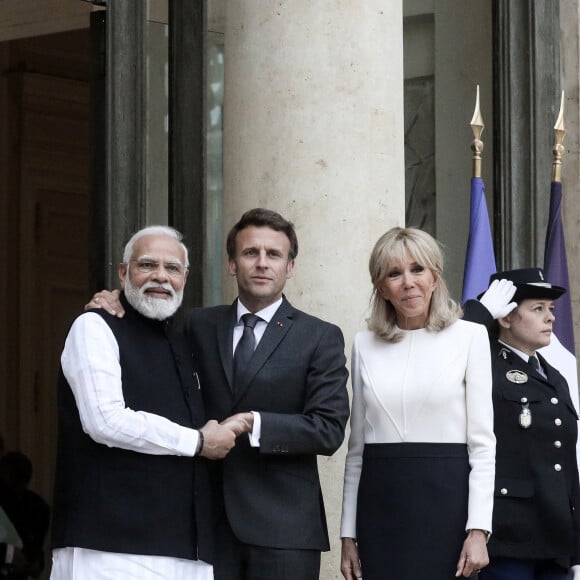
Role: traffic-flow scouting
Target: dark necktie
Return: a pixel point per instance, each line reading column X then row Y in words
column 245, row 348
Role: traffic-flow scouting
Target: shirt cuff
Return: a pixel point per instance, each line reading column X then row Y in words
column 187, row 443
column 256, row 432
column 9, row 554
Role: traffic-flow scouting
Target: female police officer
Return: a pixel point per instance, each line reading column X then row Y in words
column 536, row 516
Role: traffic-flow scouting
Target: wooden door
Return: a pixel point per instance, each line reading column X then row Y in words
column 53, row 241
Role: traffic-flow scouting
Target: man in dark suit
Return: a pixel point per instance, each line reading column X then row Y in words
column 536, row 516
column 286, row 384
column 291, row 395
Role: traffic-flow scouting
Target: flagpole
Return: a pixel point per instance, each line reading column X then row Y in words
column 477, row 127
column 558, row 149
column 479, row 256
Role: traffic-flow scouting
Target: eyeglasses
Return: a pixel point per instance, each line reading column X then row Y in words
column 173, row 269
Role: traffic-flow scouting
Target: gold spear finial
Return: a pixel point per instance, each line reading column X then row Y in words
column 558, row 149
column 477, row 127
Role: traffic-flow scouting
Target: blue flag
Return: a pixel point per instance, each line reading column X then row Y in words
column 480, row 257
column 556, row 269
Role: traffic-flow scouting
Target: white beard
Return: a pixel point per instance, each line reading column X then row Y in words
column 148, row 305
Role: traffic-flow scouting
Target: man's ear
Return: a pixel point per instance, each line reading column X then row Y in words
column 122, row 273
column 232, row 268
column 289, row 269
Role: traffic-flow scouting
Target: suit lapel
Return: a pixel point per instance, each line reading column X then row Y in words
column 225, row 338
column 276, row 330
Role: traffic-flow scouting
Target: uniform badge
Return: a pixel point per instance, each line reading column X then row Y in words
column 517, row 377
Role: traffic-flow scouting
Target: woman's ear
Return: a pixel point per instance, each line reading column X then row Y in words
column 505, row 322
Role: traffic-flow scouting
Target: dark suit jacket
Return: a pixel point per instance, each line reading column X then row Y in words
column 537, row 494
column 297, row 382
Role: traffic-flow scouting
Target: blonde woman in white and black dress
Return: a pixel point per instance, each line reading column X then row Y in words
column 418, row 486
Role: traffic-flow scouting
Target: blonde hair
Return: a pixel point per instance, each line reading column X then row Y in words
column 390, row 249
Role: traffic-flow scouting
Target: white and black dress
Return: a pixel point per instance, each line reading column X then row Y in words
column 420, row 464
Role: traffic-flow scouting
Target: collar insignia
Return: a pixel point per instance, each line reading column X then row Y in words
column 504, row 352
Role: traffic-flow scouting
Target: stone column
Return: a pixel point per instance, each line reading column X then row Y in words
column 314, row 129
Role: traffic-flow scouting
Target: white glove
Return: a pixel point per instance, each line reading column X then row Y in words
column 497, row 298
column 575, row 572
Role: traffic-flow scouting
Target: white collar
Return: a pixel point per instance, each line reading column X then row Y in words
column 266, row 314
column 525, row 357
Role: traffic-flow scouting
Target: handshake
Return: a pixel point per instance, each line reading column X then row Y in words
column 218, row 439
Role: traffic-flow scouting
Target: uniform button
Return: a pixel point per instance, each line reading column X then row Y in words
column 558, row 467
column 554, row 401
column 503, row 491
column 524, row 400
column 557, row 444
column 558, row 422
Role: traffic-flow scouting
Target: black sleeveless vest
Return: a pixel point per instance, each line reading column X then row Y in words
column 114, row 500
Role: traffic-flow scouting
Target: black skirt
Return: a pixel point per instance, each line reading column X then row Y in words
column 412, row 510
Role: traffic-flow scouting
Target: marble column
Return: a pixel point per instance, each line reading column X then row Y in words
column 313, row 128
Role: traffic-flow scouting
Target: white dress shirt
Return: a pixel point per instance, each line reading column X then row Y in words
column 431, row 387
column 266, row 314
column 90, row 363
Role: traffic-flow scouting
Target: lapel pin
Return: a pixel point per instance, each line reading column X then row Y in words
column 279, row 324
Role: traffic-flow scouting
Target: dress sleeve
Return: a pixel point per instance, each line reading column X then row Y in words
column 353, row 464
column 90, row 363
column 480, row 436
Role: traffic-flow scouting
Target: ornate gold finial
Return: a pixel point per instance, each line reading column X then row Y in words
column 558, row 148
column 477, row 127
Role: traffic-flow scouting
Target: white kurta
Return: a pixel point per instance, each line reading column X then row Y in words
column 90, row 363
column 432, row 387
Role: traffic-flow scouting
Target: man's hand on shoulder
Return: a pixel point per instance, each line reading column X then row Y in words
column 108, row 301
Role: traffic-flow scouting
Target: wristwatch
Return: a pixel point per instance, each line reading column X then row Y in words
column 486, row 532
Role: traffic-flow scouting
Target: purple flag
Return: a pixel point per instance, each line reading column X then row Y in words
column 560, row 352
column 480, row 257
column 556, row 269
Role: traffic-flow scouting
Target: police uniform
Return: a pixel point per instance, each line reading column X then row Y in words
column 536, row 512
